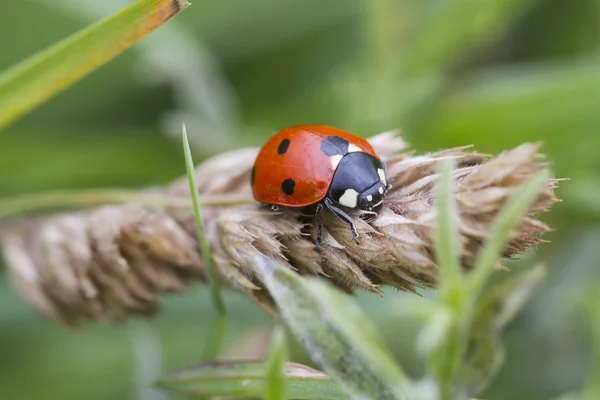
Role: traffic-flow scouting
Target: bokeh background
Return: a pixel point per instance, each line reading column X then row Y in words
column 491, row 73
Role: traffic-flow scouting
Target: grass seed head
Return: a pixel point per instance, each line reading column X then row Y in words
column 111, row 263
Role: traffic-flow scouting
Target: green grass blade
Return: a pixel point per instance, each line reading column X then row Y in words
column 38, row 78
column 248, row 379
column 210, row 271
column 336, row 334
column 447, row 344
column 447, row 244
column 499, row 234
column 276, row 385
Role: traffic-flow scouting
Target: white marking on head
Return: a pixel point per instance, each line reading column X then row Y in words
column 352, row 148
column 380, row 190
column 369, row 197
column 381, row 174
column 335, row 161
column 349, row 198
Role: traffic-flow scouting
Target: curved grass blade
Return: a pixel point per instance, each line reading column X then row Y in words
column 213, row 345
column 248, row 379
column 210, row 271
column 336, row 334
column 38, row 78
column 444, row 333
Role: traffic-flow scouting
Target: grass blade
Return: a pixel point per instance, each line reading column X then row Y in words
column 276, row 385
column 38, row 78
column 447, row 244
column 499, row 234
column 210, row 271
column 248, row 379
column 447, row 346
column 337, row 335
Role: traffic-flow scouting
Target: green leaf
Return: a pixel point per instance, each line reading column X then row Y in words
column 493, row 311
column 178, row 57
column 248, row 379
column 38, row 78
column 336, row 334
column 508, row 218
column 276, row 388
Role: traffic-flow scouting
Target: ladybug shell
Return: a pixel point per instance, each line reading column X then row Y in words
column 296, row 165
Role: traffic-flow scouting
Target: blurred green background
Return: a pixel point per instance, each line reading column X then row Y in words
column 492, row 73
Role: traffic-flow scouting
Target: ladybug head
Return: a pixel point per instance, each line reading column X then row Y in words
column 372, row 198
column 359, row 182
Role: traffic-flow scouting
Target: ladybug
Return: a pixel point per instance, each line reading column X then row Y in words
column 319, row 166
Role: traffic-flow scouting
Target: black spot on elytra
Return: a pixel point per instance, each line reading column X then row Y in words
column 288, row 186
column 334, row 146
column 283, row 147
column 252, row 175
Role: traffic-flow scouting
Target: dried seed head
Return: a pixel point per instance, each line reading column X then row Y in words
column 112, row 262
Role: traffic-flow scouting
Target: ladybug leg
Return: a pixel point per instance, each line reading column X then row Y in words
column 343, row 216
column 319, row 226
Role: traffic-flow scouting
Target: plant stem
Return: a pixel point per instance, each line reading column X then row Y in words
column 78, row 198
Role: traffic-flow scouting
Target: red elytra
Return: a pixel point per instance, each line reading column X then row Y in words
column 295, row 167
